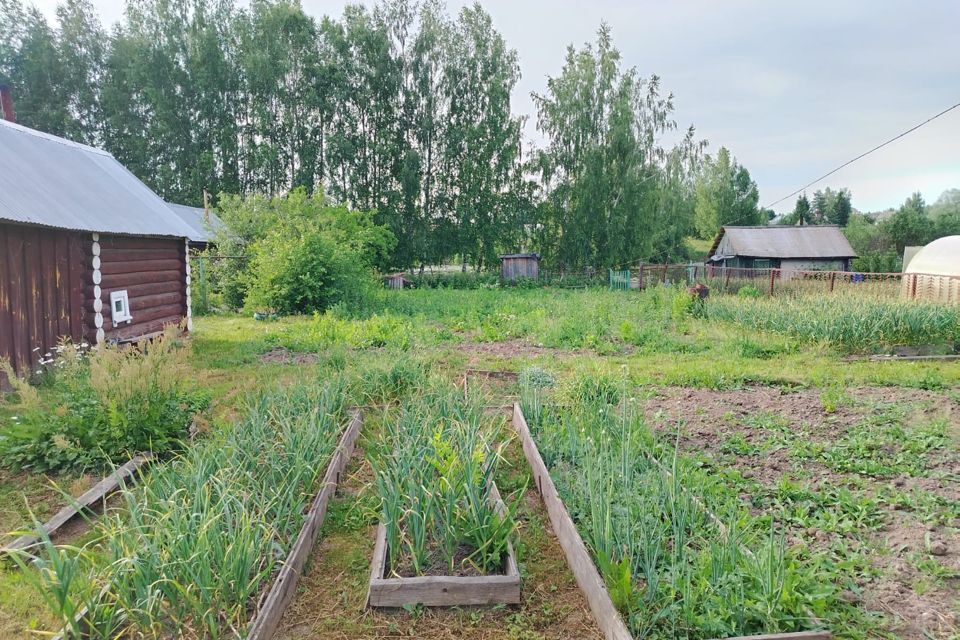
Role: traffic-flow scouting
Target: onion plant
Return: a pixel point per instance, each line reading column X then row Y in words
column 642, row 510
column 434, row 479
column 199, row 539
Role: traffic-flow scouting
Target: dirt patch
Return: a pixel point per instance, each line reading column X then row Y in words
column 915, row 573
column 282, row 355
column 508, row 349
column 920, row 580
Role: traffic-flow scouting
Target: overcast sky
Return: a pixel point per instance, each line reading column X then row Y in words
column 792, row 89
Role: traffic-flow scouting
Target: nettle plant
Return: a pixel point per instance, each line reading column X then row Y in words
column 96, row 407
column 434, row 479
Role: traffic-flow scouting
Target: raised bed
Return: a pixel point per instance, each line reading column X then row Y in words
column 275, row 601
column 578, row 556
column 442, row 591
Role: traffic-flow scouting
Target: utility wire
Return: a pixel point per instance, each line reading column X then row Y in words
column 866, row 153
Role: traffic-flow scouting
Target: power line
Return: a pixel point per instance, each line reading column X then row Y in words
column 866, row 153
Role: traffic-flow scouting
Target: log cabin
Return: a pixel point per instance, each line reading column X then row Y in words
column 87, row 251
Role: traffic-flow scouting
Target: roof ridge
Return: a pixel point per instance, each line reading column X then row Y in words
column 52, row 138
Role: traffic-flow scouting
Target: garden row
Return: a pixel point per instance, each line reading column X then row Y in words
column 211, row 543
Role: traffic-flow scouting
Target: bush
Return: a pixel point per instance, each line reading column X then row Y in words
column 100, row 407
column 298, row 254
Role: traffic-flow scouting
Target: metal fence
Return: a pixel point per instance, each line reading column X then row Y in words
column 791, row 281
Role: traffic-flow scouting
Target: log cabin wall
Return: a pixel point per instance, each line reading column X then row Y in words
column 42, row 272
column 152, row 271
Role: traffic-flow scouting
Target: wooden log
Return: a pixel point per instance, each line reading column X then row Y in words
column 578, row 557
column 267, row 619
column 137, row 290
column 166, row 311
column 443, row 591
column 130, row 242
column 140, row 302
column 88, row 499
column 125, row 280
column 137, row 255
column 140, row 266
column 143, row 331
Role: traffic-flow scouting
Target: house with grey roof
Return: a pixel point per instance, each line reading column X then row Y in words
column 87, row 251
column 785, row 247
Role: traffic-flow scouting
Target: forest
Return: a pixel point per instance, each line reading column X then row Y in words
column 403, row 111
column 400, row 109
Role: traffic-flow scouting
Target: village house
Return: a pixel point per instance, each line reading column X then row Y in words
column 785, row 247
column 87, row 251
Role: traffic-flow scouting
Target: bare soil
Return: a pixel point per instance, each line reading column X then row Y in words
column 282, row 355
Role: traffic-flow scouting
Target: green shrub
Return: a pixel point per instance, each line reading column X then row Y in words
column 99, row 408
column 297, row 254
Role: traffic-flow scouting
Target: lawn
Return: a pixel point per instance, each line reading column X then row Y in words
column 850, row 465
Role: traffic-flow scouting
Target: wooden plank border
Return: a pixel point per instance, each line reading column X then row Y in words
column 284, row 588
column 442, row 591
column 88, row 499
column 578, row 557
column 267, row 619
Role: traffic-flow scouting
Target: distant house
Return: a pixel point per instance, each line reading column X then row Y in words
column 87, row 251
column 519, row 265
column 204, row 224
column 798, row 248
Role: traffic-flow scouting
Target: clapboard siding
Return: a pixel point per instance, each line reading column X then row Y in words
column 152, row 272
column 41, row 278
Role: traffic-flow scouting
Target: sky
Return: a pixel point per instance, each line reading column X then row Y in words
column 792, row 89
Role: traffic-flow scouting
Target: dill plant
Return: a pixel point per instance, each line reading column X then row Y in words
column 434, row 479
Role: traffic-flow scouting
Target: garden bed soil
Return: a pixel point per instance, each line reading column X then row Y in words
column 919, row 606
column 331, row 605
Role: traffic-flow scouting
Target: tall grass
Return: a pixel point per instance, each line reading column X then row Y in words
column 200, row 538
column 851, row 322
column 669, row 568
column 434, row 480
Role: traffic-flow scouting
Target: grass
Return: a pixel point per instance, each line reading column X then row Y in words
column 593, row 344
column 852, row 323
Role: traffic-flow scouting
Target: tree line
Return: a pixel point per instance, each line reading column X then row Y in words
column 399, row 109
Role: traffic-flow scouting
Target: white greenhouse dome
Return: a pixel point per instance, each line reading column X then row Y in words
column 934, row 272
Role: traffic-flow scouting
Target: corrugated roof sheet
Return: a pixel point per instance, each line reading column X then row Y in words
column 54, row 182
column 814, row 241
column 201, row 229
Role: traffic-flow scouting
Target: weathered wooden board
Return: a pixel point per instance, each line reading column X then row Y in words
column 578, row 557
column 264, row 626
column 798, row 635
column 97, row 493
column 442, row 591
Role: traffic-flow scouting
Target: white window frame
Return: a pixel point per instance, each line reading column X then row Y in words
column 124, row 314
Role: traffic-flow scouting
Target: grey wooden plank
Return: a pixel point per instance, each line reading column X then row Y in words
column 796, row 635
column 578, row 558
column 85, row 501
column 445, row 591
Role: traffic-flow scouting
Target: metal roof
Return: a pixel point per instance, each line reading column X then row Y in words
column 203, row 224
column 787, row 241
column 535, row 256
column 50, row 181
